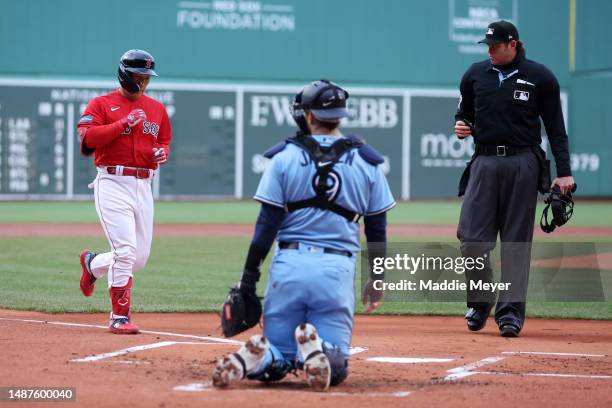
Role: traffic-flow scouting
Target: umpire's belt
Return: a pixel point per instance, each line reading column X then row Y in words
column 296, row 245
column 501, row 151
column 138, row 172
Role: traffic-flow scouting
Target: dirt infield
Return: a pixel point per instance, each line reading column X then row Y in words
column 554, row 363
column 226, row 230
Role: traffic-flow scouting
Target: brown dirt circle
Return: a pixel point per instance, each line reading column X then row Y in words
column 483, row 369
column 225, row 230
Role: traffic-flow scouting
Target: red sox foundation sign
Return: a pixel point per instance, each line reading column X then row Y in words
column 235, row 15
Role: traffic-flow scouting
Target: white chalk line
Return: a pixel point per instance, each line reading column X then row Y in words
column 545, row 353
column 136, row 362
column 409, row 360
column 466, row 370
column 557, row 375
column 103, row 356
column 159, row 333
column 455, row 373
column 207, row 387
column 352, row 350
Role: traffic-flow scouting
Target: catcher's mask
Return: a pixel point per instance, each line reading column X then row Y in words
column 134, row 62
column 562, row 207
column 326, row 101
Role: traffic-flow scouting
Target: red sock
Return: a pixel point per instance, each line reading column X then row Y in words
column 120, row 299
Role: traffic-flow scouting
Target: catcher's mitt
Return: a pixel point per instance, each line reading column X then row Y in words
column 240, row 312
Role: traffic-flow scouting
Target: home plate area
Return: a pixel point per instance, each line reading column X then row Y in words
column 424, row 361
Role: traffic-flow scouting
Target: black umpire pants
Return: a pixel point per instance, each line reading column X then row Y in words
column 500, row 197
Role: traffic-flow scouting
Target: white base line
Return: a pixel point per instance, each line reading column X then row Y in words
column 408, row 360
column 189, row 336
column 121, row 352
column 352, row 350
column 207, row 386
column 466, row 370
column 600, row 377
column 543, row 353
column 133, row 349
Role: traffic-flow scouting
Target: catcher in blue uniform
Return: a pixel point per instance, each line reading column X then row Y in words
column 316, row 188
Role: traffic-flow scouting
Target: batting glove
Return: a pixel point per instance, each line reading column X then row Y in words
column 159, row 155
column 135, row 117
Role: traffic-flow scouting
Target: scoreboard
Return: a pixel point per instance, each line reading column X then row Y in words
column 219, row 134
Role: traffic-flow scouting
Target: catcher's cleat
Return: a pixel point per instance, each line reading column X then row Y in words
column 122, row 325
column 316, row 363
column 87, row 278
column 234, row 367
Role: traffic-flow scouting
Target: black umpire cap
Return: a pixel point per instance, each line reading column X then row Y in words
column 500, row 32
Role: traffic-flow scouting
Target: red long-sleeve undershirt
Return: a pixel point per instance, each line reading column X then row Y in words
column 98, row 136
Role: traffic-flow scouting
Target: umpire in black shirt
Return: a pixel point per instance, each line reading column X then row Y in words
column 502, row 101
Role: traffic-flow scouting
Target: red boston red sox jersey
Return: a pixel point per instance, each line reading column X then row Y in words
column 125, row 146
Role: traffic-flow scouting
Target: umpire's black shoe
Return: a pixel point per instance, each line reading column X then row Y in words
column 477, row 318
column 509, row 330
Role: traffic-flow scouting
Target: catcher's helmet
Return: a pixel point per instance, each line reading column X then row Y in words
column 134, row 62
column 326, row 100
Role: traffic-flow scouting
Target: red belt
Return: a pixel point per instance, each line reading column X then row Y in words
column 138, row 172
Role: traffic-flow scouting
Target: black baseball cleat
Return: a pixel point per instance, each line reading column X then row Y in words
column 509, row 330
column 477, row 318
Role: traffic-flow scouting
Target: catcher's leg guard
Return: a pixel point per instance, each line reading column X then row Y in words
column 273, row 367
column 338, row 363
column 316, row 363
column 234, row 367
column 120, row 316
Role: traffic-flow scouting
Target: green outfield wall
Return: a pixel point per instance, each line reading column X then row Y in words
column 229, row 68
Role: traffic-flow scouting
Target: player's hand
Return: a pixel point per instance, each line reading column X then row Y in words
column 159, row 155
column 135, row 117
column 462, row 129
column 566, row 184
column 372, row 298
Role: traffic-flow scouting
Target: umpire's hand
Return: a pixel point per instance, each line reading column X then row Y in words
column 566, row 184
column 372, row 298
column 462, row 129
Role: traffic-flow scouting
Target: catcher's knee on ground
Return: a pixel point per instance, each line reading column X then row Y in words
column 338, row 363
column 274, row 367
column 274, row 372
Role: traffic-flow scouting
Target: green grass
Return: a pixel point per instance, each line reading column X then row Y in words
column 587, row 214
column 192, row 274
column 184, row 274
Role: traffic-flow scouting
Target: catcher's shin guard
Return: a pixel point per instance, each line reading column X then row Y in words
column 87, row 277
column 316, row 363
column 234, row 367
column 120, row 315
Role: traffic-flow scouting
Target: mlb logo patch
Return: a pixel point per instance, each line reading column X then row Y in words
column 521, row 95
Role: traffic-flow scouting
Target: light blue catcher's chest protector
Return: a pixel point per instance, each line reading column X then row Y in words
column 324, row 158
column 325, row 184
